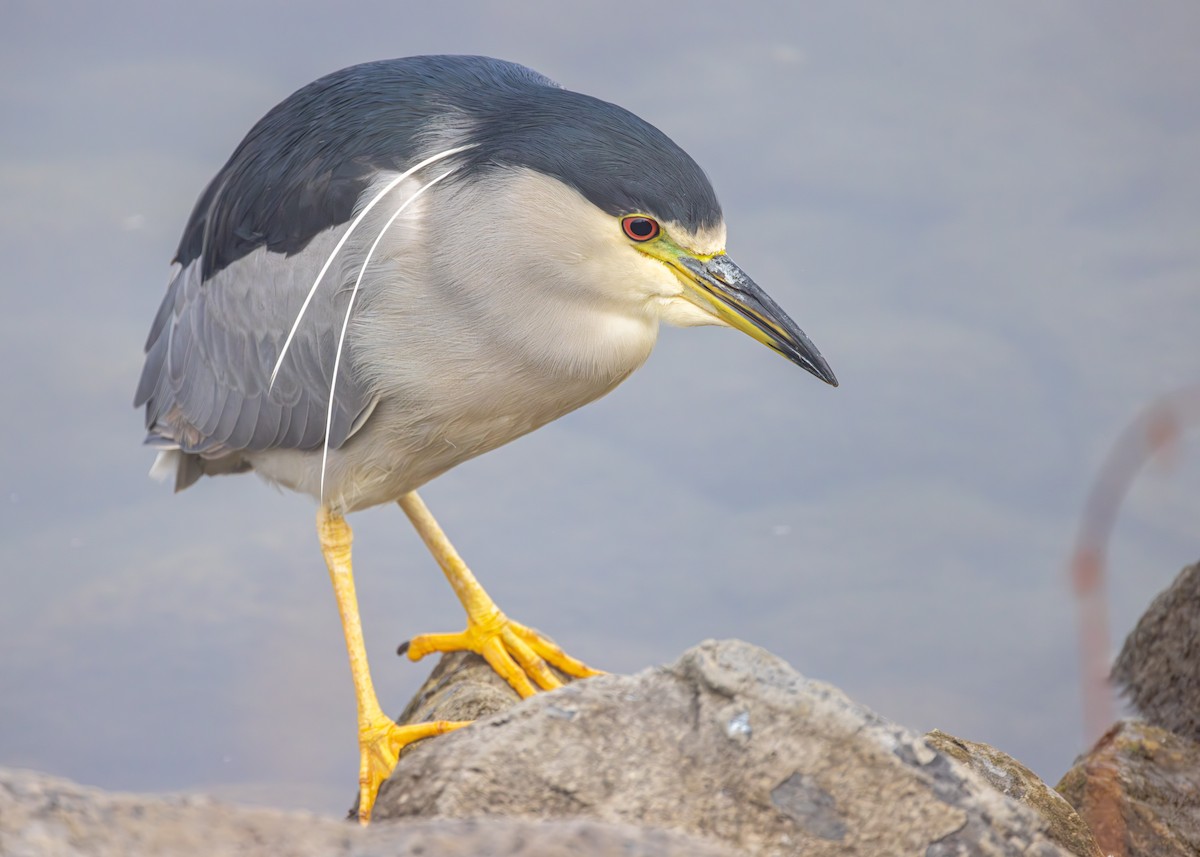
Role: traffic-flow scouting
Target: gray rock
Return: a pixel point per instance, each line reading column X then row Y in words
column 1009, row 776
column 1139, row 791
column 42, row 816
column 461, row 687
column 1159, row 666
column 728, row 744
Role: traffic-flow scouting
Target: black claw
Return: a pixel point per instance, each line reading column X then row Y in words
column 403, row 649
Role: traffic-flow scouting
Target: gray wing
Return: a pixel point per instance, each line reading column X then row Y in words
column 250, row 252
column 214, row 343
column 255, row 242
column 206, row 381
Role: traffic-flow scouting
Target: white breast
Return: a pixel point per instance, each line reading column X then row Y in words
column 478, row 334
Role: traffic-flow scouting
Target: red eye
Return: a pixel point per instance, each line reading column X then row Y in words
column 640, row 228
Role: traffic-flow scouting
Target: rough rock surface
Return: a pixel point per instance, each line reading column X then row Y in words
column 728, row 751
column 42, row 816
column 1005, row 773
column 1139, row 791
column 461, row 687
column 728, row 744
column 1159, row 665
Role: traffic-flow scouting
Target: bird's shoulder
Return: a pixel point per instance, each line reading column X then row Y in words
column 303, row 166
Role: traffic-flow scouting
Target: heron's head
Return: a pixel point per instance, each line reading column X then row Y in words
column 601, row 208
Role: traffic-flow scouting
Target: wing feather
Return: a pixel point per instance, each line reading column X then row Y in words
column 205, row 383
column 252, row 248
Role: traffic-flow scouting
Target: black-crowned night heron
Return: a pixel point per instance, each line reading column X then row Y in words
column 411, row 262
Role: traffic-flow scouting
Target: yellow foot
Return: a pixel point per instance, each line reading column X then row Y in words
column 516, row 652
column 380, row 742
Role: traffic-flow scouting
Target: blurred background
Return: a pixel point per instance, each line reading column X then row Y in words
column 987, row 216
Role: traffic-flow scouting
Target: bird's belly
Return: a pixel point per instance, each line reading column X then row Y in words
column 450, row 436
column 404, row 444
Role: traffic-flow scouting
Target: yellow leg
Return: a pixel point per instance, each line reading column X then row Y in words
column 380, row 740
column 516, row 652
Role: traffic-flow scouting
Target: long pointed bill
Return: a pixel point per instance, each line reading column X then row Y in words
column 722, row 288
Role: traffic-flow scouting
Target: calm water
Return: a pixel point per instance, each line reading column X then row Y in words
column 986, row 220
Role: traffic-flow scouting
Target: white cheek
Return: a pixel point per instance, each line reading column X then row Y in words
column 622, row 274
column 656, row 279
column 681, row 312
